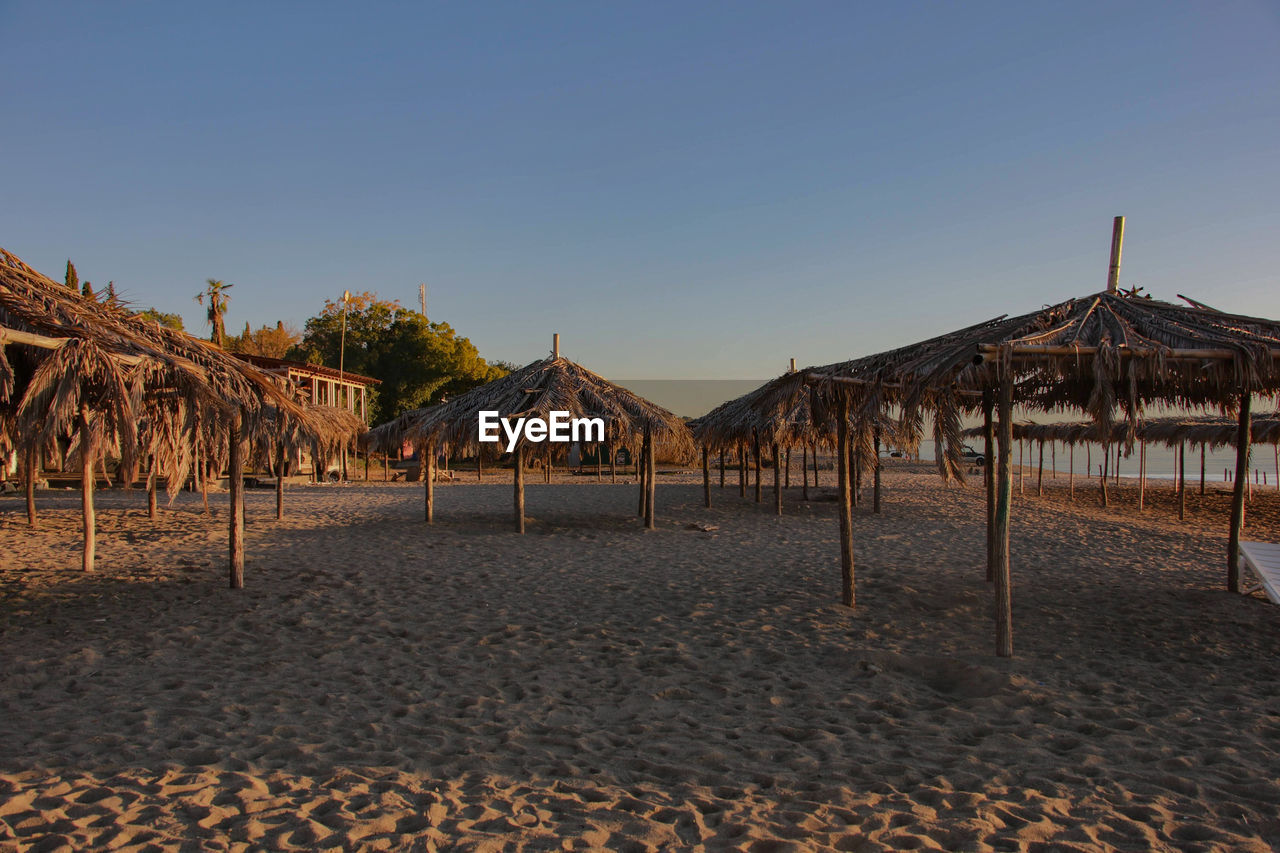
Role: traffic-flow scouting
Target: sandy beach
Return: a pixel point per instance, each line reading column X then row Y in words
column 381, row 684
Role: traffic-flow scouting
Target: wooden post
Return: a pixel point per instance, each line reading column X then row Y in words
column 855, row 471
column 742, row 469
column 1237, row 494
column 847, row 590
column 706, row 476
column 755, row 446
column 235, row 477
column 86, row 489
column 804, row 469
column 1142, row 475
column 1071, row 472
column 651, row 470
column 722, row 467
column 777, row 480
column 1040, row 475
column 1117, row 245
column 343, row 457
column 1102, row 472
column 1022, row 471
column 1202, row 468
column 815, row 465
column 429, row 474
column 599, row 463
column 29, row 484
column 280, row 479
column 152, row 486
column 1119, row 448
column 479, row 466
column 613, row 459
column 1004, row 496
column 518, row 487
column 1053, row 460
column 642, row 477
column 787, row 483
column 989, row 477
column 875, row 494
column 1182, row 480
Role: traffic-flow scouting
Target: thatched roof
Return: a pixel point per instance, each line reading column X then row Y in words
column 63, row 352
column 1100, row 354
column 770, row 412
column 551, row 384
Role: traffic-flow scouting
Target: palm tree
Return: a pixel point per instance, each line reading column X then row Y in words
column 218, row 300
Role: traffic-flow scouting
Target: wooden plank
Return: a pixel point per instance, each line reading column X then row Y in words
column 1004, row 498
column 1237, row 494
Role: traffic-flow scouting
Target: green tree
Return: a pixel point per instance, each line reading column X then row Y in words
column 272, row 341
column 112, row 299
column 86, row 290
column 216, row 293
column 418, row 362
column 72, row 279
column 173, row 321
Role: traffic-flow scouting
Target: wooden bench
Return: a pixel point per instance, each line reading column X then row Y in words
column 1263, row 559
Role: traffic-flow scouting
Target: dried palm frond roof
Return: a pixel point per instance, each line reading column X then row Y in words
column 551, row 384
column 37, row 312
column 777, row 413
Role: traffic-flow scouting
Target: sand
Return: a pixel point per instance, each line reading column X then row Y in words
column 380, row 684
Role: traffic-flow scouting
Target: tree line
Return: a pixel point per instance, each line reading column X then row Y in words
column 418, row 362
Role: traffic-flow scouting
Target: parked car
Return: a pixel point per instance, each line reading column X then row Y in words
column 972, row 456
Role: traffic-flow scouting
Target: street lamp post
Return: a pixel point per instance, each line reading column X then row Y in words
column 342, row 379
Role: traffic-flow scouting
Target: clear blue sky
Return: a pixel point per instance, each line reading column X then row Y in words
column 680, row 189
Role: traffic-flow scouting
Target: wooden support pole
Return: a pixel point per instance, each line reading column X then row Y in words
column 722, row 467
column 479, row 466
column 1182, row 481
column 1142, row 475
column 1119, row 448
column 989, row 476
column 706, row 476
column 642, row 477
column 755, row 446
column 875, row 493
column 1022, row 471
column 86, row 489
column 152, row 486
column 742, row 469
column 1237, row 494
column 651, row 470
column 804, row 469
column 518, row 488
column 29, row 483
column 280, row 480
column 1040, row 474
column 1117, row 246
column 1053, row 460
column 429, row 474
column 847, row 589
column 599, row 463
column 815, row 465
column 787, row 482
column 1202, row 454
column 1004, row 497
column 613, row 462
column 855, row 475
column 777, row 480
column 1102, row 473
column 235, row 477
column 1071, row 472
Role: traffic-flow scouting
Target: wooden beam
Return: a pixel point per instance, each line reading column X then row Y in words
column 991, row 352
column 989, row 477
column 777, row 480
column 1237, row 495
column 235, row 476
column 86, row 489
column 518, row 482
column 847, row 587
column 1004, row 497
column 706, row 476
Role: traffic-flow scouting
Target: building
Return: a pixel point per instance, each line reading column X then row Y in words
column 323, row 386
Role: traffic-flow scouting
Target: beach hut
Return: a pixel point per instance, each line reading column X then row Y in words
column 535, row 391
column 1109, row 354
column 73, row 368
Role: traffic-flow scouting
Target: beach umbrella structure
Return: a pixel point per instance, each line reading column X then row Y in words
column 1109, row 354
column 98, row 378
column 536, row 392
